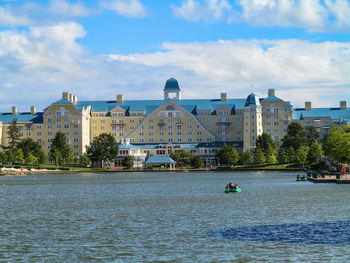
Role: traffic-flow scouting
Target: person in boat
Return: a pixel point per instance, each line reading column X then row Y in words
column 231, row 185
column 298, row 176
column 237, row 186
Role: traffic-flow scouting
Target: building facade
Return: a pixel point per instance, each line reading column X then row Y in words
column 159, row 127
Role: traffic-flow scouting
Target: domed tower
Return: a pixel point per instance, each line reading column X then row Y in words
column 252, row 122
column 172, row 86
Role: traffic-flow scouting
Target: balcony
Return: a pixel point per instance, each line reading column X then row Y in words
column 223, row 122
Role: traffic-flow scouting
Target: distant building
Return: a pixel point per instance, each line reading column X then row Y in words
column 159, row 127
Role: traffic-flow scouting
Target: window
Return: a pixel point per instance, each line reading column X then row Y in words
column 38, row 127
column 307, row 123
column 189, row 133
column 276, row 123
column 76, row 133
column 49, row 120
column 49, row 133
column 66, row 126
column 38, row 133
column 75, row 139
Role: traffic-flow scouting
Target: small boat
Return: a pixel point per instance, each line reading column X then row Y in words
column 301, row 178
column 233, row 190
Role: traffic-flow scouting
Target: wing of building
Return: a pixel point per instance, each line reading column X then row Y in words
column 161, row 126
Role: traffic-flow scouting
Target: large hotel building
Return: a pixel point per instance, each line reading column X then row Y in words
column 160, row 127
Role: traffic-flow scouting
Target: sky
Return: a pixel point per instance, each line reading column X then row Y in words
column 98, row 49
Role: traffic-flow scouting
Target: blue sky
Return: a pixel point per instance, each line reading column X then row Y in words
column 97, row 49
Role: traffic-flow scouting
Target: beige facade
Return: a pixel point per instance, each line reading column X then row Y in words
column 170, row 124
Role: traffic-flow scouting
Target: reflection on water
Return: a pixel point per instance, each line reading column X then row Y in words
column 305, row 233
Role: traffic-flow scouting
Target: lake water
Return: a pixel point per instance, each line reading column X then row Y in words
column 172, row 217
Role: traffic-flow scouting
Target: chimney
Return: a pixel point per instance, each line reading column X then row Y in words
column 119, row 98
column 75, row 99
column 343, row 105
column 271, row 92
column 14, row 110
column 32, row 110
column 70, row 97
column 223, row 97
column 65, row 95
column 307, row 105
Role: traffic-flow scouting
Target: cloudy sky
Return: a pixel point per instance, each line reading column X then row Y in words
column 97, row 49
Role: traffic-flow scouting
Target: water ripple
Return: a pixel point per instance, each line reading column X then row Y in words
column 305, row 233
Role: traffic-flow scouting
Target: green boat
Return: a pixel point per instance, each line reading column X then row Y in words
column 233, row 190
column 304, row 178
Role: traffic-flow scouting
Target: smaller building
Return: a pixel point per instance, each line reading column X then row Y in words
column 165, row 161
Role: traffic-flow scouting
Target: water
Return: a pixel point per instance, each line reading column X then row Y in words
column 172, row 217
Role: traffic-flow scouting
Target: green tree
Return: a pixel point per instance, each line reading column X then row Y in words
column 282, row 157
column 301, row 155
column 29, row 146
column 85, row 160
column 259, row 156
column 228, row 154
column 264, row 141
column 30, row 158
column 103, row 148
column 337, row 144
column 128, row 161
column 314, row 153
column 60, row 151
column 246, row 157
column 181, row 156
column 291, row 156
column 3, row 157
column 312, row 135
column 13, row 134
column 17, row 156
column 197, row 161
column 295, row 137
column 270, row 155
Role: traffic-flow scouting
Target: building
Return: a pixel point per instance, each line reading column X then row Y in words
column 159, row 127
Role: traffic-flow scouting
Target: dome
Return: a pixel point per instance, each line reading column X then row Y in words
column 252, row 100
column 171, row 84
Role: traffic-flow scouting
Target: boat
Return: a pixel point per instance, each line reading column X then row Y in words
column 301, row 178
column 233, row 190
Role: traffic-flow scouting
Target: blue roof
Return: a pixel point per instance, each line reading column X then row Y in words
column 159, row 159
column 63, row 101
column 22, row 117
column 149, row 106
column 334, row 113
column 272, row 98
column 171, row 84
column 252, row 99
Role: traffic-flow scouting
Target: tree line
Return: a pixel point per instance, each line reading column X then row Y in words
column 299, row 146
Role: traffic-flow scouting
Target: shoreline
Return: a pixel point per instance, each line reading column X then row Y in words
column 23, row 171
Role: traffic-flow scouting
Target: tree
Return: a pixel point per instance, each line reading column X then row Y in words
column 13, row 134
column 197, row 162
column 85, row 160
column 30, row 158
column 282, row 156
column 295, row 137
column 246, row 157
column 60, row 151
column 228, row 154
column 29, row 146
column 181, row 156
column 128, row 161
column 314, row 153
column 264, row 141
column 3, row 157
column 337, row 144
column 290, row 152
column 301, row 154
column 102, row 148
column 312, row 135
column 270, row 155
column 259, row 156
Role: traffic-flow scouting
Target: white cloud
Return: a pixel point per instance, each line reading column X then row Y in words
column 313, row 15
column 211, row 10
column 32, row 13
column 65, row 8
column 7, row 18
column 235, row 65
column 128, row 8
